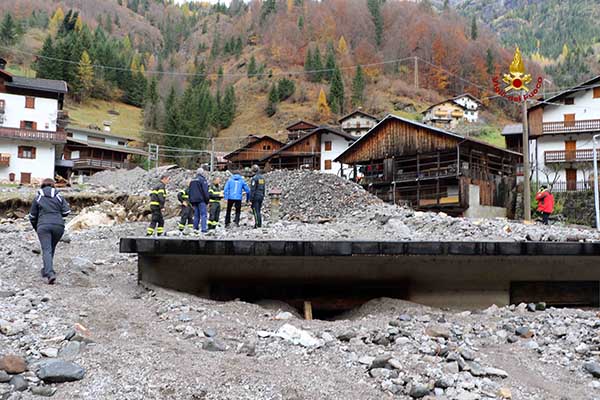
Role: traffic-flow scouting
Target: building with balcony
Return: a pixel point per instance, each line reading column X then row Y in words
column 450, row 113
column 31, row 127
column 357, row 123
column 561, row 130
column 88, row 151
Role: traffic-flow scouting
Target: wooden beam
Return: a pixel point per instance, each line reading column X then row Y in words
column 308, row 314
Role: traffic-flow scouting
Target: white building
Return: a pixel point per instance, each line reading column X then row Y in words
column 357, row 123
column 561, row 129
column 452, row 112
column 30, row 127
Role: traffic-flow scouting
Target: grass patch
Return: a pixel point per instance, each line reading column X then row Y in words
column 126, row 122
column 492, row 135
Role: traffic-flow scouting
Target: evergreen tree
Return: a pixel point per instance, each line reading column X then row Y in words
column 55, row 21
column 317, row 66
column 200, row 75
column 358, row 87
column 252, row 67
column 375, row 10
column 215, row 48
column 329, row 63
column 172, row 120
column 489, row 61
column 44, row 66
column 227, row 108
column 474, row 28
column 336, row 92
column 8, row 30
column 268, row 7
column 285, row 88
column 301, row 22
column 273, row 99
column 309, row 65
column 85, row 77
column 151, row 106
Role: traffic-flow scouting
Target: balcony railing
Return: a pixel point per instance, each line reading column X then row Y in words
column 4, row 160
column 82, row 163
column 572, row 186
column 30, row 134
column 584, row 125
column 560, row 156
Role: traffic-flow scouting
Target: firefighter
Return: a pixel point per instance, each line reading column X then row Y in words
column 257, row 195
column 157, row 203
column 545, row 201
column 215, row 194
column 187, row 212
column 199, row 198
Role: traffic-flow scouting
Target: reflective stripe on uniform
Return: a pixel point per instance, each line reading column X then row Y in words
column 215, row 223
column 214, row 201
column 150, row 230
column 160, row 230
column 155, row 203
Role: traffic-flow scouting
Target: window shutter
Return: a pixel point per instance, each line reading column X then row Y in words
column 22, row 124
column 34, row 126
column 20, row 152
column 33, row 149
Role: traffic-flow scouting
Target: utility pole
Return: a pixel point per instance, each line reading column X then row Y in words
column 157, row 147
column 416, row 72
column 212, row 154
column 596, row 196
column 526, row 167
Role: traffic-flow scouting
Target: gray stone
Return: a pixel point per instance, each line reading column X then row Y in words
column 19, row 383
column 209, row 332
column 496, row 372
column 185, row 318
column 467, row 354
column 383, row 373
column 380, row 361
column 438, row 332
column 248, row 348
column 418, row 391
column 213, row 345
column 593, row 368
column 541, row 306
column 10, row 329
column 444, row 382
column 395, row 363
column 531, row 307
column 57, row 371
column 512, row 339
column 531, row 345
column 346, row 336
column 70, row 351
column 524, row 332
column 476, row 369
column 559, row 331
column 45, row 391
column 404, row 317
column 6, row 293
column 4, row 377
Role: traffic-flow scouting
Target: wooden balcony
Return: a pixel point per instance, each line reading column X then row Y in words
column 4, row 160
column 564, row 156
column 33, row 135
column 92, row 163
column 584, row 125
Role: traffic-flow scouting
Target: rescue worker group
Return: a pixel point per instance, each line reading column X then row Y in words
column 201, row 202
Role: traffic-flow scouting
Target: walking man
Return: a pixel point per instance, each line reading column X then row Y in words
column 46, row 215
column 257, row 195
column 233, row 194
column 199, row 198
column 158, row 194
column 187, row 212
column 545, row 201
column 216, row 194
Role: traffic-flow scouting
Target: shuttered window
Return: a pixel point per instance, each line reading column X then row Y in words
column 27, row 152
column 597, row 92
column 327, row 164
column 28, row 125
column 29, row 102
column 328, row 146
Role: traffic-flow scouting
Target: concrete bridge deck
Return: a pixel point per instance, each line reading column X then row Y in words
column 338, row 273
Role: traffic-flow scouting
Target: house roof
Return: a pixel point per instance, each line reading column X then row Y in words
column 301, row 122
column 345, row 117
column 582, row 86
column 320, row 129
column 442, row 102
column 421, row 125
column 512, row 129
column 247, row 145
column 475, row 99
column 104, row 146
column 95, row 132
column 45, row 85
column 454, row 99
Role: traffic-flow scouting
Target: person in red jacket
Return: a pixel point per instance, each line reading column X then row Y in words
column 545, row 201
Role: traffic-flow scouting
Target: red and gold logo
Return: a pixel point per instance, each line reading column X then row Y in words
column 517, row 80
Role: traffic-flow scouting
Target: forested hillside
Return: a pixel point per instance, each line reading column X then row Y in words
column 200, row 70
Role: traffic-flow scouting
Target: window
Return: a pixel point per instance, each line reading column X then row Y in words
column 597, row 92
column 96, row 139
column 328, row 146
column 569, row 120
column 569, row 101
column 2, row 105
column 29, row 102
column 121, row 143
column 28, row 125
column 327, row 164
column 27, row 152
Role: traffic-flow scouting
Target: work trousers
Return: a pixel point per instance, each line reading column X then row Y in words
column 49, row 236
column 157, row 223
column 200, row 217
column 256, row 210
column 214, row 213
column 545, row 217
column 187, row 217
column 238, row 210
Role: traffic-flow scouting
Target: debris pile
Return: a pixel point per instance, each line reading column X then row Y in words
column 103, row 214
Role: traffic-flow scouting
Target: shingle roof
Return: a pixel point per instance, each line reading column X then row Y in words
column 512, row 129
column 582, row 86
column 345, row 117
column 46, row 85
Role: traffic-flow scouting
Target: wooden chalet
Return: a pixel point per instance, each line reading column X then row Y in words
column 407, row 162
column 307, row 151
column 256, row 148
column 299, row 129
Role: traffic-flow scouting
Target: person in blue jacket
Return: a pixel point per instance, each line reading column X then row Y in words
column 233, row 194
column 199, row 198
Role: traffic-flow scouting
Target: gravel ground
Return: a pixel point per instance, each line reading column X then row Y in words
column 150, row 343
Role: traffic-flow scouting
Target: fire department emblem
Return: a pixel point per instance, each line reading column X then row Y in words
column 517, row 80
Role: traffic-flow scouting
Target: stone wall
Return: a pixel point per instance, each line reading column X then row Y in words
column 577, row 207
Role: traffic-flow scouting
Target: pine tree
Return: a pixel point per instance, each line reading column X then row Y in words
column 252, row 67
column 375, row 10
column 46, row 67
column 151, row 106
column 85, row 77
column 8, row 30
column 172, row 120
column 301, row 22
column 268, row 7
column 309, row 65
column 322, row 106
column 474, row 28
column 329, row 63
column 273, row 99
column 227, row 108
column 215, row 48
column 285, row 88
column 489, row 61
column 317, row 66
column 358, row 87
column 336, row 92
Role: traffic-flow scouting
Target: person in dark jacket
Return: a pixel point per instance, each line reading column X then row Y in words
column 47, row 214
column 158, row 195
column 199, row 198
column 216, row 194
column 187, row 212
column 233, row 194
column 257, row 195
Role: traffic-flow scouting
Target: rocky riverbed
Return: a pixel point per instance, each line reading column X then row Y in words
column 98, row 335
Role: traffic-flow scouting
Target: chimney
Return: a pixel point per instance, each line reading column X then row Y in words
column 2, row 63
column 107, row 125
